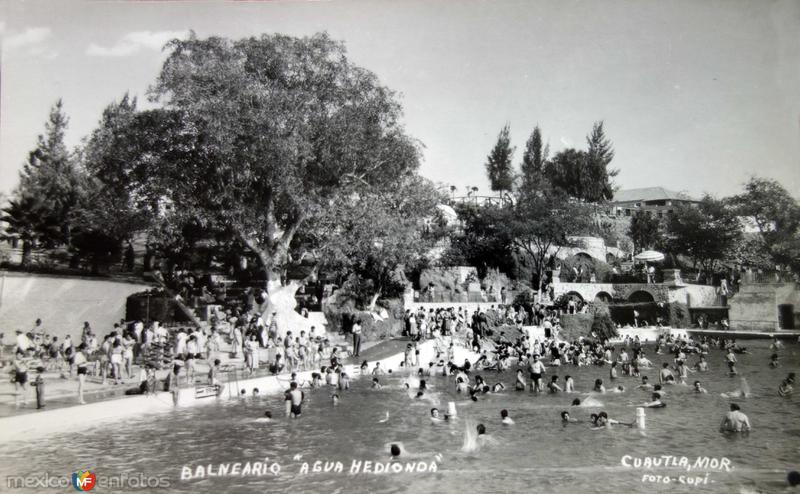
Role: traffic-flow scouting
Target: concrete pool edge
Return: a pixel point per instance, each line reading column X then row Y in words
column 29, row 426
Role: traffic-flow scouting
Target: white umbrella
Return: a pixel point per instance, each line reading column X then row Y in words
column 650, row 256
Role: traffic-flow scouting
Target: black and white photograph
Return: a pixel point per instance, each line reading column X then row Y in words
column 383, row 246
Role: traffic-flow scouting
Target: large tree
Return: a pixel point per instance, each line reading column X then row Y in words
column 566, row 172
column 582, row 174
column 540, row 224
column 498, row 163
column 705, row 232
column 776, row 215
column 112, row 206
column 40, row 208
column 645, row 231
column 263, row 136
column 481, row 241
column 379, row 236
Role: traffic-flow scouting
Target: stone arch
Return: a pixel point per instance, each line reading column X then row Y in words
column 639, row 296
column 604, row 297
column 574, row 295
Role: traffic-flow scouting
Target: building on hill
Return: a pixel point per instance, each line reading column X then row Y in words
column 656, row 201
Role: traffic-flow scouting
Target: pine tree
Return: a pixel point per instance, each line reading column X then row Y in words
column 42, row 202
column 596, row 178
column 498, row 164
column 533, row 160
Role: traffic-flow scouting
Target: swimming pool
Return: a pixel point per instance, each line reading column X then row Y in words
column 536, row 453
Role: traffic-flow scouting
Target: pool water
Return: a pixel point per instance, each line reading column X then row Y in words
column 537, row 453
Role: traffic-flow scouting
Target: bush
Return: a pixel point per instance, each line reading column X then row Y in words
column 602, row 325
column 525, row 296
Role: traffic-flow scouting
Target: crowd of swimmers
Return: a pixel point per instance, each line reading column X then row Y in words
column 471, row 378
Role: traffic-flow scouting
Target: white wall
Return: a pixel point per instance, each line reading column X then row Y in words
column 63, row 303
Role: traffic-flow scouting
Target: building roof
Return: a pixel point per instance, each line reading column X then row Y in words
column 650, row 194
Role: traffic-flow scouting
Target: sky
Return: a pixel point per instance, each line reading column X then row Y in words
column 696, row 96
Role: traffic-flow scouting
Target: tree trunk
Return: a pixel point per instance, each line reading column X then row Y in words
column 374, row 300
column 27, row 250
column 280, row 299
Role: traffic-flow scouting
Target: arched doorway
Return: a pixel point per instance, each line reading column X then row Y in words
column 641, row 296
column 604, row 297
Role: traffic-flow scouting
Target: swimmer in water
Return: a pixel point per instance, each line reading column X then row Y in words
column 735, row 421
column 566, row 419
column 683, row 371
column 598, row 386
column 569, row 384
column 701, row 365
column 698, row 388
column 785, row 388
column 604, row 421
column 576, row 402
column 665, row 373
column 645, row 384
column 498, row 387
column 742, row 392
column 552, row 386
column 773, row 362
column 461, row 385
column 376, row 384
column 520, row 384
column 377, row 371
column 730, row 359
column 656, row 403
column 334, row 399
column 505, row 418
column 266, row 418
column 435, row 415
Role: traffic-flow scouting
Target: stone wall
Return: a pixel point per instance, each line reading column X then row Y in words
column 587, row 291
column 695, row 295
column 619, row 291
column 755, row 307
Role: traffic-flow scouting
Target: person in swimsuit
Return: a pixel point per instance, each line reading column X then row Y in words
column 656, row 403
column 735, row 420
column 82, row 365
column 294, row 398
column 537, row 369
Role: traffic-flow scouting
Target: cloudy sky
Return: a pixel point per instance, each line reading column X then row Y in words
column 696, row 95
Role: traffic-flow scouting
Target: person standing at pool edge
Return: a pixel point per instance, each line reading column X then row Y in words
column 356, row 337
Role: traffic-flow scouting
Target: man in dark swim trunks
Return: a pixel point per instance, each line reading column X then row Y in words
column 294, row 398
